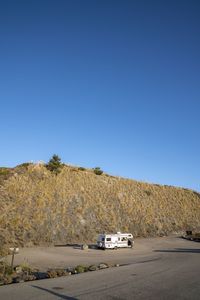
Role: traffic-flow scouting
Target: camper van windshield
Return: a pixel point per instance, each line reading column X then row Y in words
column 108, row 239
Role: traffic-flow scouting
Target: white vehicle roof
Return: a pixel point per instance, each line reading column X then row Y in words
column 116, row 234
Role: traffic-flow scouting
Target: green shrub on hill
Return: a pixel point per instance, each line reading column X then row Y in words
column 4, row 171
column 98, row 171
column 81, row 169
column 24, row 165
column 54, row 165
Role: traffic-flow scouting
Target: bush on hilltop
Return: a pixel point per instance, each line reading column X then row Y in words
column 54, row 165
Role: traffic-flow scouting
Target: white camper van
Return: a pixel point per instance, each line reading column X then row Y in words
column 114, row 241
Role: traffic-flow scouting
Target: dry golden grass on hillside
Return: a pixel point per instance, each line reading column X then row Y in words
column 38, row 207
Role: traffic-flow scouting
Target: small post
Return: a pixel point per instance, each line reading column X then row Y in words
column 13, row 255
column 13, row 252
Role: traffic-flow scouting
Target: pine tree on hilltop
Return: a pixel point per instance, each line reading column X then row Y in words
column 54, row 165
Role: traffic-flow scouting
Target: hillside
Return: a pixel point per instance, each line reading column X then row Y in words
column 38, row 207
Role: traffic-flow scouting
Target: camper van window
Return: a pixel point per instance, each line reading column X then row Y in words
column 118, row 239
column 108, row 239
column 124, row 239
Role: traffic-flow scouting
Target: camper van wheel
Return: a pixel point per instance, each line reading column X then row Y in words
column 115, row 247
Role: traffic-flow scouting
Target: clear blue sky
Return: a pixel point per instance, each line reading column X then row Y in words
column 114, row 84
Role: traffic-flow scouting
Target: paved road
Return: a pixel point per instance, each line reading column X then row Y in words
column 165, row 273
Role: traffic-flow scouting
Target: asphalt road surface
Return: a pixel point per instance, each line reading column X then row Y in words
column 169, row 269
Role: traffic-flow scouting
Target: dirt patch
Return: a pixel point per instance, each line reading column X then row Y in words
column 66, row 256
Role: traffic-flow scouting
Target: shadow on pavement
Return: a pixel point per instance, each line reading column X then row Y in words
column 54, row 293
column 180, row 250
column 68, row 245
column 78, row 246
